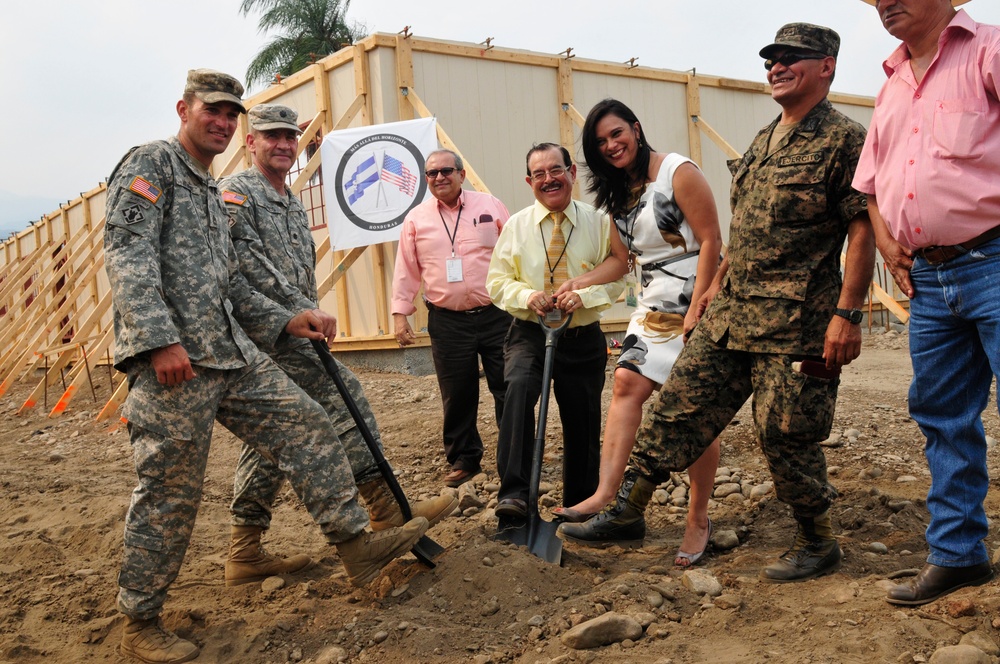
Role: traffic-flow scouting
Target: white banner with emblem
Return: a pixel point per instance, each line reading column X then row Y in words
column 373, row 176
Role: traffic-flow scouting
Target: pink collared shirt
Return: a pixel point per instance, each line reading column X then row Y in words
column 425, row 246
column 932, row 156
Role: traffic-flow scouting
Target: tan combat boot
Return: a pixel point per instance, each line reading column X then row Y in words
column 249, row 562
column 383, row 510
column 814, row 553
column 146, row 640
column 367, row 553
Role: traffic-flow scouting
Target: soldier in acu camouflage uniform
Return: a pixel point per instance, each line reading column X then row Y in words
column 273, row 241
column 184, row 319
column 778, row 298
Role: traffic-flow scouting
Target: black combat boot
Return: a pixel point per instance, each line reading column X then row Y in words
column 814, row 553
column 621, row 522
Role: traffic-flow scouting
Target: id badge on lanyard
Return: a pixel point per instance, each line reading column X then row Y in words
column 453, row 269
column 631, row 288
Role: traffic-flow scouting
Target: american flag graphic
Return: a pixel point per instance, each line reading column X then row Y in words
column 145, row 188
column 395, row 173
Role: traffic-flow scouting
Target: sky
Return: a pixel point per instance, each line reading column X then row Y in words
column 84, row 81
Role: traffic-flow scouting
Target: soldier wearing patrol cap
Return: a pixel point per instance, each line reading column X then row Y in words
column 185, row 324
column 777, row 299
column 274, row 244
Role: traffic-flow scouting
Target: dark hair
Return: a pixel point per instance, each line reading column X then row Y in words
column 542, row 147
column 611, row 185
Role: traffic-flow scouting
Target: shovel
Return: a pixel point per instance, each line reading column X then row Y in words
column 536, row 533
column 425, row 549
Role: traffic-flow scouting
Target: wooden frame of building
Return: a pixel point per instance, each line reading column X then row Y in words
column 491, row 103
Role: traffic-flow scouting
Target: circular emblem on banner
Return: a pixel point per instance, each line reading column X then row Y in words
column 379, row 179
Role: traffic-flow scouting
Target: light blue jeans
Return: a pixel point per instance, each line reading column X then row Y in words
column 955, row 350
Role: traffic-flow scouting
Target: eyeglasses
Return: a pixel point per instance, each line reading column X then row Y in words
column 789, row 59
column 554, row 173
column 433, row 173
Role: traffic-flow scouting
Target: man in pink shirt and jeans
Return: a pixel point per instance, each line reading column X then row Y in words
column 446, row 244
column 931, row 170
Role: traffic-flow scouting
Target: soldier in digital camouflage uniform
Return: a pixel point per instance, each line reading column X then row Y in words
column 778, row 298
column 273, row 241
column 184, row 318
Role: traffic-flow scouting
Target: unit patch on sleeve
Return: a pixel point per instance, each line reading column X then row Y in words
column 145, row 188
column 132, row 214
column 233, row 197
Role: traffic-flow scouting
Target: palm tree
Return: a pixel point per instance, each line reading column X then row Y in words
column 309, row 30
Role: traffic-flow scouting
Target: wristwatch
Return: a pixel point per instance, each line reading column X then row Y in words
column 853, row 316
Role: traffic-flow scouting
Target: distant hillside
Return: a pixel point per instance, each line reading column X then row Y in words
column 17, row 212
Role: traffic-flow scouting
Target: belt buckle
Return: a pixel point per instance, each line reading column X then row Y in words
column 937, row 254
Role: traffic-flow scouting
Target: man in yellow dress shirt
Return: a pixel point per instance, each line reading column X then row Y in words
column 530, row 276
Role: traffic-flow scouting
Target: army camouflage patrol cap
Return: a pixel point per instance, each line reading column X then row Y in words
column 954, row 3
column 212, row 86
column 805, row 36
column 273, row 116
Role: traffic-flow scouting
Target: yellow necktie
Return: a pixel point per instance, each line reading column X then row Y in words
column 556, row 253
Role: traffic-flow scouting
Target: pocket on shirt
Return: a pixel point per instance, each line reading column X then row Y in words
column 798, row 195
column 487, row 233
column 958, row 128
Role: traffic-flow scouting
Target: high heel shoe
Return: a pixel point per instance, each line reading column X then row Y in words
column 686, row 560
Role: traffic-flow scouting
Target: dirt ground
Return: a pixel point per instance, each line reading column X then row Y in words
column 65, row 485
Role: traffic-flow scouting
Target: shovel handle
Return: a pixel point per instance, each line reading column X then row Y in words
column 326, row 357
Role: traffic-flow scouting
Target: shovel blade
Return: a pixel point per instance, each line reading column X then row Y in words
column 544, row 543
column 538, row 535
column 427, row 551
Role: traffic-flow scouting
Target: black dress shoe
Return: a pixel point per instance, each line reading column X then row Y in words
column 511, row 508
column 609, row 527
column 933, row 582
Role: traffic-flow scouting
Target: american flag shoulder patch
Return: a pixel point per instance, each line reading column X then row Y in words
column 145, row 188
column 233, row 197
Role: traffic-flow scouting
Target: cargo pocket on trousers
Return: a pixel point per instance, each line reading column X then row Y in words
column 143, row 560
column 164, row 410
column 809, row 416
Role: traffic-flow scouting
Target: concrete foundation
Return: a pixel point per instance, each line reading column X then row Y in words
column 412, row 361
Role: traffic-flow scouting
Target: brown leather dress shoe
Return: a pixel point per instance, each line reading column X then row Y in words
column 459, row 476
column 933, row 582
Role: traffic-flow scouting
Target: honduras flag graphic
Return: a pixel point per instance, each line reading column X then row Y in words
column 364, row 176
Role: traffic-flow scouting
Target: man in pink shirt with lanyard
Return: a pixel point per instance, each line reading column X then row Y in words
column 931, row 170
column 446, row 244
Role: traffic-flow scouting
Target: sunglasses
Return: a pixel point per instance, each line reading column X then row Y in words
column 433, row 173
column 789, row 59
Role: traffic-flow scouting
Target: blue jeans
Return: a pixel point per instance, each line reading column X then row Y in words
column 955, row 350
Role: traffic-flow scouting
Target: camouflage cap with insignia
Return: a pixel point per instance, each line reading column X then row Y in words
column 212, row 86
column 804, row 36
column 264, row 117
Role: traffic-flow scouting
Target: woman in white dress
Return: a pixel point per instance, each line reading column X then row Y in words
column 665, row 213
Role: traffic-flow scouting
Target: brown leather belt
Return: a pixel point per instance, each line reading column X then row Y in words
column 942, row 254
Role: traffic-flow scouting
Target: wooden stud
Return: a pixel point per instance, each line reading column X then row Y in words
column 114, row 403
column 565, row 99
column 341, row 264
column 362, row 84
column 81, row 371
column 470, row 173
column 404, row 76
column 706, row 128
column 693, row 111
